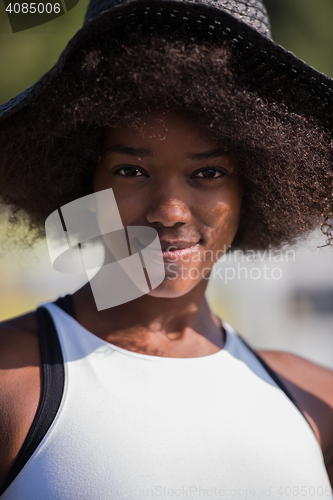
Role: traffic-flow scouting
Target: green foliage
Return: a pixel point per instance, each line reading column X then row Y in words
column 305, row 28
column 25, row 56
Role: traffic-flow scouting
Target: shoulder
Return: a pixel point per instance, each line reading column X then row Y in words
column 20, row 332
column 20, row 384
column 307, row 375
column 311, row 385
column 19, row 346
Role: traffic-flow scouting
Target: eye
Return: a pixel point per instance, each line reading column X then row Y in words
column 210, row 173
column 129, row 172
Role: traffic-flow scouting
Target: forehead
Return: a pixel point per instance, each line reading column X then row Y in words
column 158, row 131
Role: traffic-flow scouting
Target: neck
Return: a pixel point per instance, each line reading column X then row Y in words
column 172, row 327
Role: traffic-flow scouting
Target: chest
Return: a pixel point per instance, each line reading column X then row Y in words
column 130, row 429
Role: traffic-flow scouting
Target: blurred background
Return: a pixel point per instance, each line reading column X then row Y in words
column 282, row 301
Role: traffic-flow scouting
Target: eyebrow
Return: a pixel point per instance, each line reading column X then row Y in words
column 214, row 153
column 146, row 152
column 126, row 150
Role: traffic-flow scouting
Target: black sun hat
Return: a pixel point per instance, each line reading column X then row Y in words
column 244, row 24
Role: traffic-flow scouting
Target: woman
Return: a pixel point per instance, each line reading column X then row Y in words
column 214, row 137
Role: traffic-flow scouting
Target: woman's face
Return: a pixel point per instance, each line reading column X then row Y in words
column 171, row 176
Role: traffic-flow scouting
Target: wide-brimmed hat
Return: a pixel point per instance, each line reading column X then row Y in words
column 243, row 24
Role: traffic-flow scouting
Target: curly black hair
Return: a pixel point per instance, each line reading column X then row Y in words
column 284, row 153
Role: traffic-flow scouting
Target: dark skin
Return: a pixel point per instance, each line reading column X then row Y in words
column 188, row 189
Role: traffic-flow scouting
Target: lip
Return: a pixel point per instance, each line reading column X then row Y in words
column 181, row 249
column 175, row 245
column 177, row 250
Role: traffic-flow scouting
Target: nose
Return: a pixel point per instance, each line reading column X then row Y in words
column 168, row 205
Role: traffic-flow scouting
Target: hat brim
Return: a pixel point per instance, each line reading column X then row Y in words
column 265, row 57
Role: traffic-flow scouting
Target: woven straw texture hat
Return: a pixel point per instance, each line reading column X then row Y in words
column 244, row 24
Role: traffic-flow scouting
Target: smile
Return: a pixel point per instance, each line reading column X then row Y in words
column 177, row 251
column 174, row 252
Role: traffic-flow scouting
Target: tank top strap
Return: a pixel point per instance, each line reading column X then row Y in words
column 66, row 304
column 273, row 376
column 52, row 387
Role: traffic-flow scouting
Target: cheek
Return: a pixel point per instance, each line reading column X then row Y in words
column 222, row 218
column 126, row 197
column 132, row 207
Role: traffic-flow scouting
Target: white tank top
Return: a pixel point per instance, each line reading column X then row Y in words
column 135, row 426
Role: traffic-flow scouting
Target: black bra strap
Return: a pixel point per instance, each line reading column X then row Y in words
column 66, row 303
column 275, row 377
column 53, row 385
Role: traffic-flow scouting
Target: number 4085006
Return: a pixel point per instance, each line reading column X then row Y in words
column 33, row 8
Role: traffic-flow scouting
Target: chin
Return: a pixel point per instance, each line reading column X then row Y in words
column 161, row 293
column 170, row 289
